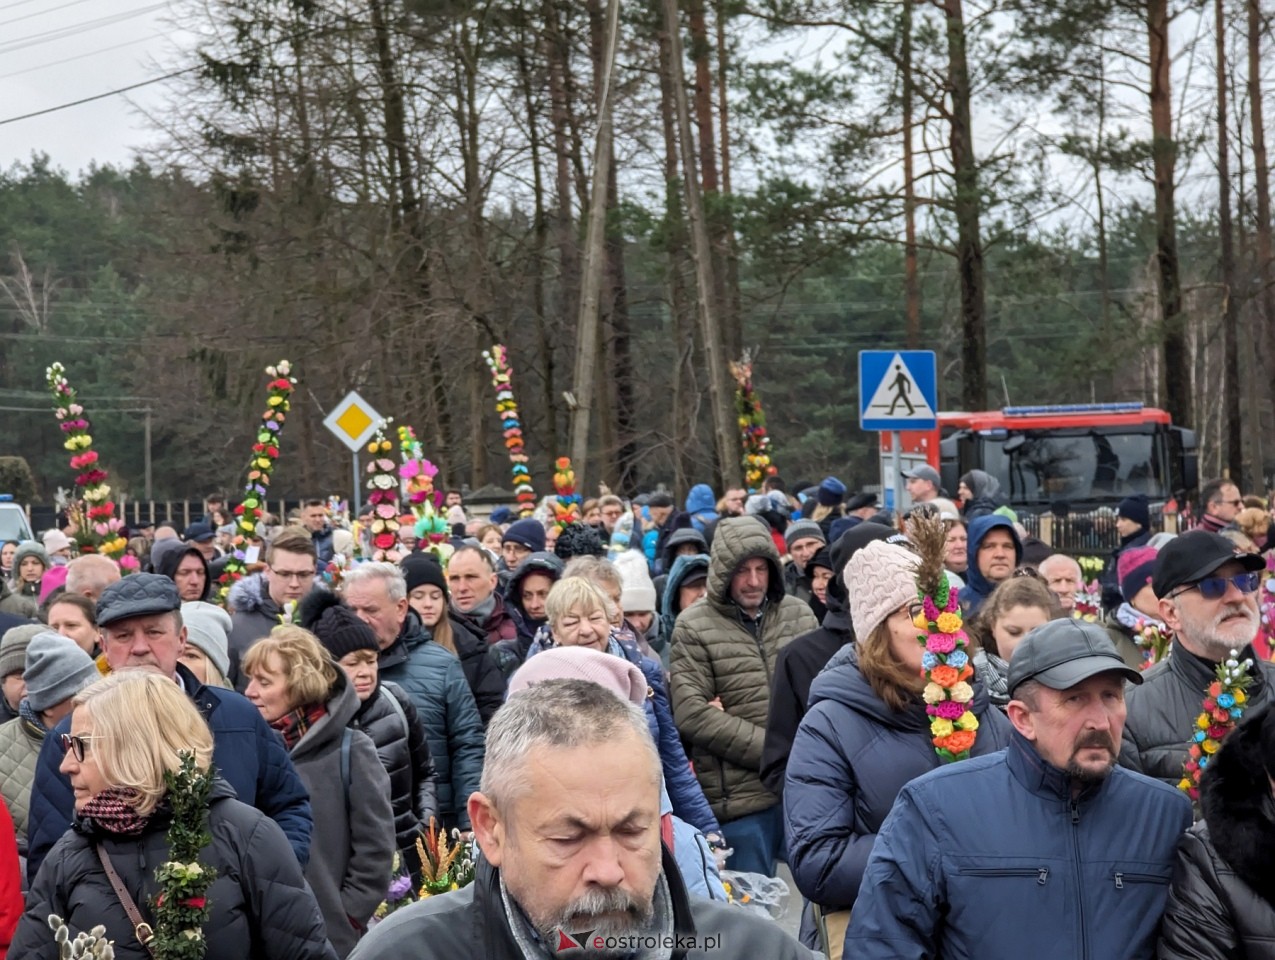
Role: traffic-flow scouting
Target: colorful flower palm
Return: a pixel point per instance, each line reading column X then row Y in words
column 1222, row 709
column 1153, row 639
column 424, row 500
column 382, row 483
column 945, row 662
column 507, row 408
column 566, row 508
column 752, row 426
column 1088, row 602
column 97, row 529
column 265, row 451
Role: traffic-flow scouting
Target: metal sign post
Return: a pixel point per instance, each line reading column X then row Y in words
column 354, row 421
column 898, row 390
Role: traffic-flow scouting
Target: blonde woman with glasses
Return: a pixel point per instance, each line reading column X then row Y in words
column 127, row 731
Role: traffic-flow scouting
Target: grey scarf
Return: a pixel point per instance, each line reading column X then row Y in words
column 994, row 672
column 533, row 946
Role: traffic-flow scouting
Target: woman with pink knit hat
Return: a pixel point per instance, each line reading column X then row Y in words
column 866, row 734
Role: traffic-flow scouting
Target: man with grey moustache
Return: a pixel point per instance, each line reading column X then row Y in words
column 1208, row 598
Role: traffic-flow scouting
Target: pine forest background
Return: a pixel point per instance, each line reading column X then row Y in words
column 1067, row 199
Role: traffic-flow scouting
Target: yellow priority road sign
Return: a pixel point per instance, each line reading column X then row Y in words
column 353, row 420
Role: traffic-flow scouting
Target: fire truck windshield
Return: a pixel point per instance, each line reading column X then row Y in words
column 1091, row 464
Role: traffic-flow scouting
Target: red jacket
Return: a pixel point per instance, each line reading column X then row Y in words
column 11, row 905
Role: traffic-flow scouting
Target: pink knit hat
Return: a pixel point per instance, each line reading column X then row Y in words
column 880, row 579
column 1134, row 570
column 580, row 663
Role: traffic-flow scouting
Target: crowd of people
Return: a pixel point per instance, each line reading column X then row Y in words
column 620, row 714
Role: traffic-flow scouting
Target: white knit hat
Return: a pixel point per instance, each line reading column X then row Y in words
column 637, row 592
column 879, row 579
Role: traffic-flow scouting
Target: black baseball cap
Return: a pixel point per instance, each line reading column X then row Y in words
column 1191, row 557
column 1063, row 653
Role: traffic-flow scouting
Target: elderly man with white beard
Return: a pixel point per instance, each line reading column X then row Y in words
column 1208, row 598
column 568, row 820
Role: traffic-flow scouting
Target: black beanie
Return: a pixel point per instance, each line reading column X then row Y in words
column 338, row 627
column 422, row 570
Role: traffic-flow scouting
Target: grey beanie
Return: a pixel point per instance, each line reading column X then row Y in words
column 804, row 528
column 13, row 647
column 29, row 548
column 57, row 669
column 208, row 628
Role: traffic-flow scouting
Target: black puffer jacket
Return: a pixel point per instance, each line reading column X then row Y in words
column 389, row 717
column 261, row 906
column 1222, row 902
column 1161, row 712
column 481, row 671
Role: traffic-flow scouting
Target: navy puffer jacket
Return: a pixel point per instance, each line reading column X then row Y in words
column 433, row 678
column 851, row 757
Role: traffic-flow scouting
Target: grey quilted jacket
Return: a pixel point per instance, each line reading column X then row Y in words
column 715, row 655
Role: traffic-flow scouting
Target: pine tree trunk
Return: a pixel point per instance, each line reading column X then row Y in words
column 967, row 204
column 1177, row 360
column 1261, row 187
column 1230, row 310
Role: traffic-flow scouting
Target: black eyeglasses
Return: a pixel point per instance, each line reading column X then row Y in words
column 1214, row 588
column 76, row 745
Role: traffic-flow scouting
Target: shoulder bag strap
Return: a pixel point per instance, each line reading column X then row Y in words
column 141, row 929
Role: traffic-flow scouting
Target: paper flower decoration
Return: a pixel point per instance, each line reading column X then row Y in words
column 424, row 500
column 502, row 376
column 1220, row 712
column 382, row 485
column 752, row 426
column 91, row 511
column 1088, row 602
column 566, row 508
column 265, row 451
column 945, row 662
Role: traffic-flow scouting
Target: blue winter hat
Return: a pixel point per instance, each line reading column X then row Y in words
column 831, row 492
column 501, row 515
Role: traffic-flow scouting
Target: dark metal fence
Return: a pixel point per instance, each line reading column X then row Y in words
column 1090, row 534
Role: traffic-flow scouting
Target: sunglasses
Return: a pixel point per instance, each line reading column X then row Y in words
column 1214, row 588
column 76, row 745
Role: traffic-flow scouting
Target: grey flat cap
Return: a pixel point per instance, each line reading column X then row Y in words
column 137, row 595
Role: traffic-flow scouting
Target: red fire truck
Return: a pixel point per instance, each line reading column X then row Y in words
column 1084, row 455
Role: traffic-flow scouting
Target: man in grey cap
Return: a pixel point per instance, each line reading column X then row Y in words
column 1046, row 848
column 922, row 483
column 142, row 629
column 1208, row 598
column 803, row 539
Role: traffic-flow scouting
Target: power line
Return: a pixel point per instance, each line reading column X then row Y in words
column 80, row 56
column 42, row 13
column 99, row 96
column 61, row 33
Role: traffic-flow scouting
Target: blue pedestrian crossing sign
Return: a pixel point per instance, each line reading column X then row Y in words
column 898, row 390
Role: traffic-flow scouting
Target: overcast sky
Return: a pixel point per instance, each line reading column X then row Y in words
column 56, row 51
